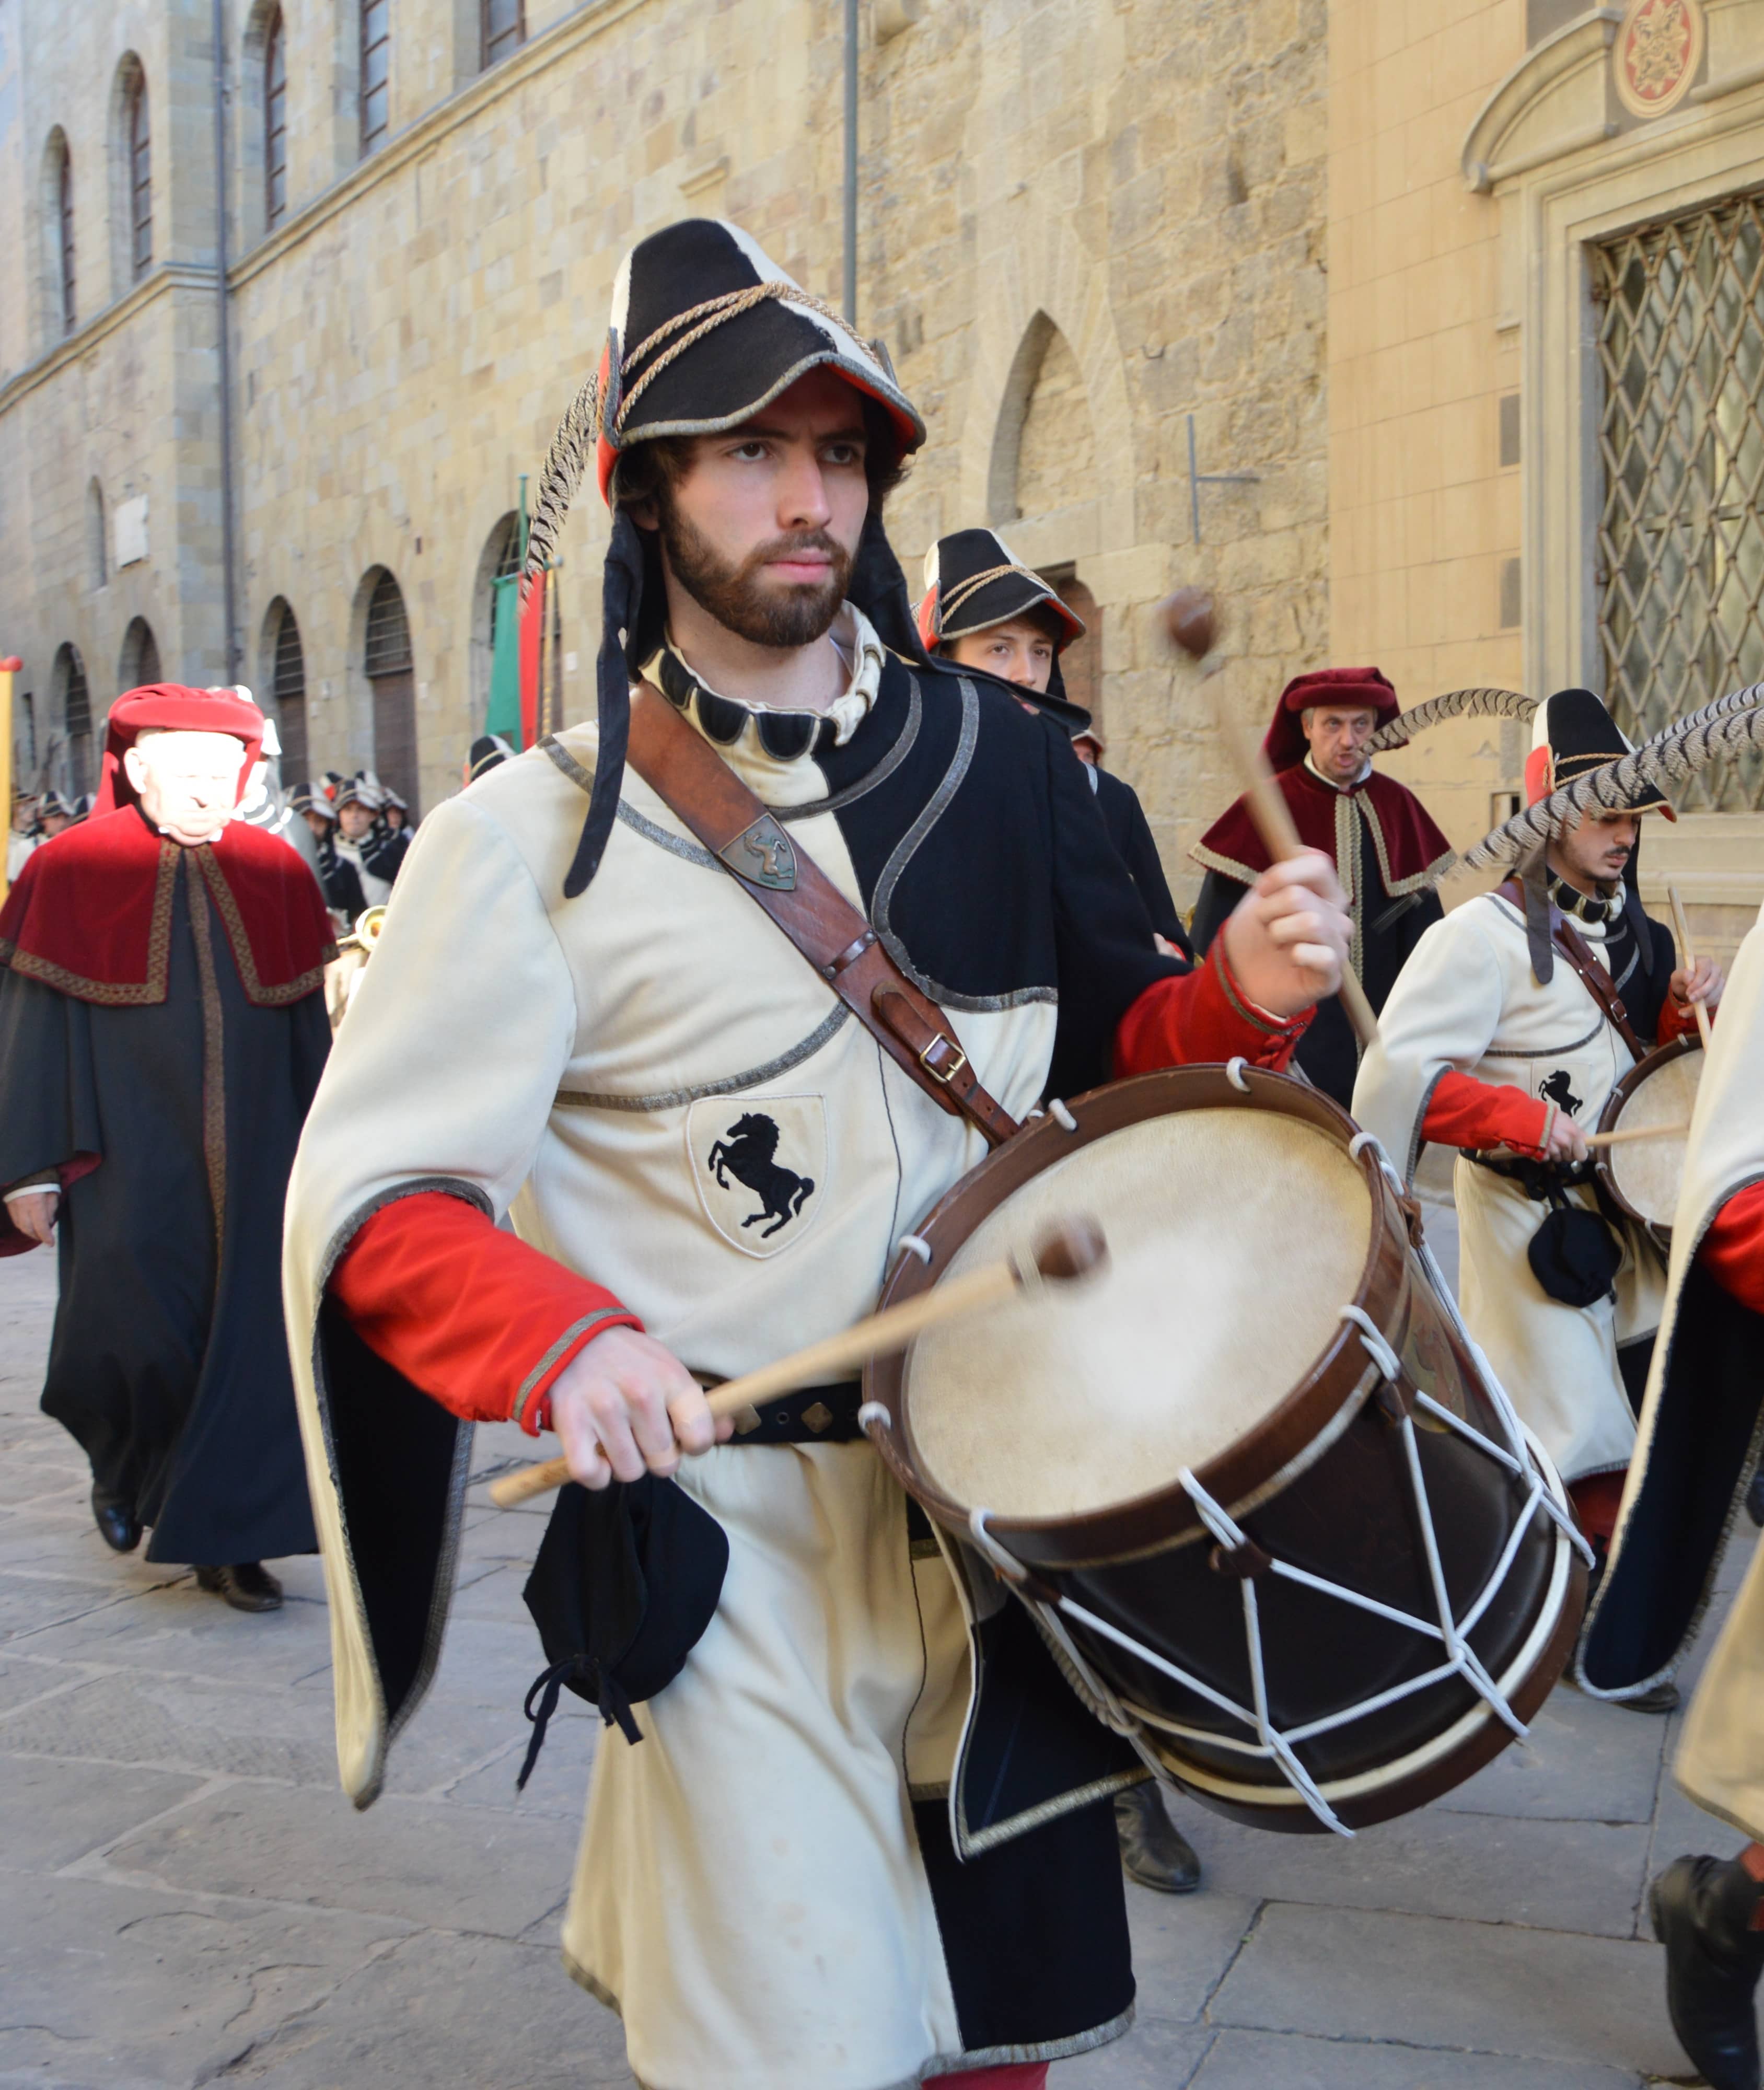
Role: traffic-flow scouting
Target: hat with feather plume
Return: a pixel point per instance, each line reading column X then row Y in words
column 705, row 332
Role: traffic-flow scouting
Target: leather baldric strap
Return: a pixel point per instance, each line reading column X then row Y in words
column 687, row 774
column 1595, row 978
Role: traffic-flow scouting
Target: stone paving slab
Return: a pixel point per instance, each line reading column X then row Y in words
column 1477, row 1987
column 1271, row 2061
column 1583, row 1760
column 52, row 1813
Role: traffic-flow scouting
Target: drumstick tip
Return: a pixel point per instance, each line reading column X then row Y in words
column 1072, row 1248
column 1190, row 616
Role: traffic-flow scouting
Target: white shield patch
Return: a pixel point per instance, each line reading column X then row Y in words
column 760, row 1166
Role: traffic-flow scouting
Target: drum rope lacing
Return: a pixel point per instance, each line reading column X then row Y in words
column 1451, row 1631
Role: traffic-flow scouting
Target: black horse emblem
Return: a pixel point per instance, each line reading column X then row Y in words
column 746, row 1152
column 1555, row 1089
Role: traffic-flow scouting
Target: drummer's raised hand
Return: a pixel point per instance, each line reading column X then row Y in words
column 1288, row 937
column 625, row 1406
column 1702, row 982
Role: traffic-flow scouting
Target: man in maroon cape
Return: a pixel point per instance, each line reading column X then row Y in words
column 1386, row 849
column 162, row 1030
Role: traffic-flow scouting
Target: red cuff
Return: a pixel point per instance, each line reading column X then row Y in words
column 480, row 1321
column 1732, row 1250
column 1463, row 1111
column 1200, row 1017
column 1676, row 1018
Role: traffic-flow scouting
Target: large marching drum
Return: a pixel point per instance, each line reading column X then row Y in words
column 1270, row 1507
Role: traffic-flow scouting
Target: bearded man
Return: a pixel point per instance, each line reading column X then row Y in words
column 812, row 1866
column 162, row 1030
column 1386, row 849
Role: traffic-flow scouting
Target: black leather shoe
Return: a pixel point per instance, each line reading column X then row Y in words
column 1754, row 1497
column 246, row 1585
column 1702, row 1910
column 1663, row 1698
column 118, row 1524
column 1153, row 1849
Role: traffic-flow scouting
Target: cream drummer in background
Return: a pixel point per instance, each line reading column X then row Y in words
column 1501, row 1039
column 357, row 804
column 814, row 1860
column 22, row 838
column 985, row 610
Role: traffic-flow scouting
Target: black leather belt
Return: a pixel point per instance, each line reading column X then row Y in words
column 1537, row 1179
column 817, row 1415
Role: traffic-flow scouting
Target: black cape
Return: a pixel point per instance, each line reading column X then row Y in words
column 1128, row 830
column 169, row 1362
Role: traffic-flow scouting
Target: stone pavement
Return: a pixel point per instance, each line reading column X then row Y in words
column 186, row 1898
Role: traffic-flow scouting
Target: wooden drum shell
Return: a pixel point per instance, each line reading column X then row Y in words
column 1320, row 1483
column 1607, row 1166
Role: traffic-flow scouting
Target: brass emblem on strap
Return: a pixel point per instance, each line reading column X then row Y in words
column 763, row 855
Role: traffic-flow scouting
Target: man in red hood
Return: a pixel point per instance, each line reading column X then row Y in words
column 162, row 1030
column 1386, row 851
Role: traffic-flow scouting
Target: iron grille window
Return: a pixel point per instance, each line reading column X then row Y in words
column 503, row 24
column 388, row 650
column 76, row 717
column 275, row 122
column 1680, row 544
column 508, row 560
column 141, row 655
column 140, row 178
column 287, row 687
column 64, row 208
column 376, row 63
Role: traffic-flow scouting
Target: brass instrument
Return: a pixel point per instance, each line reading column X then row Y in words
column 366, row 932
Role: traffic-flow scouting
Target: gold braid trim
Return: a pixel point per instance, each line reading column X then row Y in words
column 708, row 316
column 255, row 992
column 106, row 994
column 965, row 590
column 214, row 1057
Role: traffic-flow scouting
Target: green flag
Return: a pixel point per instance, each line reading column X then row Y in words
column 505, row 710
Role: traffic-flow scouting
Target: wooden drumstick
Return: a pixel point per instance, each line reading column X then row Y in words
column 1071, row 1249
column 1189, row 617
column 1628, row 1132
column 1690, row 957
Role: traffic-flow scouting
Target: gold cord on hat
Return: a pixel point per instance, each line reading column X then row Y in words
column 965, row 590
column 708, row 316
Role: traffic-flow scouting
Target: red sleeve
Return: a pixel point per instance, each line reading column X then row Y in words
column 1732, row 1250
column 1676, row 1018
column 480, row 1321
column 1463, row 1111
column 1202, row 1017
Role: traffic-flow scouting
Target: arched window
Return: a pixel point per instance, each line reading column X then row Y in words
column 97, row 552
column 386, row 660
column 275, row 121
column 502, row 28
column 376, row 72
column 287, row 691
column 61, row 202
column 139, row 663
column 140, row 176
column 73, row 717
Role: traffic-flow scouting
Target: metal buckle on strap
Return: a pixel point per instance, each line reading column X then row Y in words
column 944, row 1073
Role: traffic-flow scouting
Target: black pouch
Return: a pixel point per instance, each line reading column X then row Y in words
column 1574, row 1255
column 626, row 1580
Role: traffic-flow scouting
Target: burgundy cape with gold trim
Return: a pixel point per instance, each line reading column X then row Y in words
column 162, row 1030
column 1386, row 851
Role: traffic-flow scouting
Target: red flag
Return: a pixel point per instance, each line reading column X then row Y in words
column 532, row 635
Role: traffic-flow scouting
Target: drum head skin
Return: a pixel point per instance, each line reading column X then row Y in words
column 1235, row 1239
column 1646, row 1172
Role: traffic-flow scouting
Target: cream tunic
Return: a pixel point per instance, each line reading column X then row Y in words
column 1468, row 1000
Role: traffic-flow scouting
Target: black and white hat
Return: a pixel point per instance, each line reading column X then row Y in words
column 312, row 798
column 974, row 580
column 705, row 331
column 1573, row 733
column 488, row 752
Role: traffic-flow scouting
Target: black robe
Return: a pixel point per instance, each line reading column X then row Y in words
column 168, row 1363
column 1130, row 833
column 1329, row 1053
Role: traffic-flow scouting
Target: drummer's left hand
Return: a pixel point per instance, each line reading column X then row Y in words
column 1702, row 982
column 1288, row 937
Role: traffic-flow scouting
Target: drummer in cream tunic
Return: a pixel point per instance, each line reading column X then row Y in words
column 1492, row 1041
column 822, row 1857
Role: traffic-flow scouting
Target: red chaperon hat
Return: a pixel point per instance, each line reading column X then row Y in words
column 1285, row 744
column 171, row 707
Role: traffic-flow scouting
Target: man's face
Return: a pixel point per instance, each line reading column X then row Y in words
column 1018, row 650
column 355, row 819
column 1337, row 734
column 316, row 822
column 762, row 528
column 1595, row 851
column 24, row 813
column 395, row 818
column 188, row 782
column 56, row 824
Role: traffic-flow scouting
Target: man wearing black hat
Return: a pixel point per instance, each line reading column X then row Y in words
column 1386, row 849
column 339, row 880
column 985, row 610
column 1504, row 1036
column 796, row 1873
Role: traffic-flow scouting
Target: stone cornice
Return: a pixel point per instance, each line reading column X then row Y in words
column 1581, row 42
column 157, row 283
column 593, row 18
